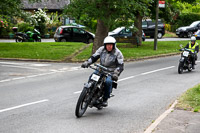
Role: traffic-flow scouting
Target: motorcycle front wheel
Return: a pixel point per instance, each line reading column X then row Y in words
column 38, row 40
column 82, row 103
column 180, row 68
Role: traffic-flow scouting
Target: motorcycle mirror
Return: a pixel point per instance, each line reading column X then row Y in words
column 181, row 45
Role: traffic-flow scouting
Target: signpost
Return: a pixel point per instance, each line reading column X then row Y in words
column 160, row 4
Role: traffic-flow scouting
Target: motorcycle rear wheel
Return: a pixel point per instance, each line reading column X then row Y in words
column 18, row 39
column 180, row 68
column 82, row 103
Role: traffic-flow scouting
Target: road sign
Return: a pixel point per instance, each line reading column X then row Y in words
column 161, row 4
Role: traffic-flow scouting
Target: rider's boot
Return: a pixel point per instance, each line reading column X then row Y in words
column 105, row 102
column 193, row 66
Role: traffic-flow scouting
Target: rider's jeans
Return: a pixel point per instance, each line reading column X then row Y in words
column 108, row 87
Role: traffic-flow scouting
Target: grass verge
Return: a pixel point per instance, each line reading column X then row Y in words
column 190, row 100
column 45, row 50
column 132, row 52
column 59, row 51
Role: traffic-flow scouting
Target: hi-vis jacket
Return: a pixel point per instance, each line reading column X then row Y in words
column 112, row 60
column 194, row 47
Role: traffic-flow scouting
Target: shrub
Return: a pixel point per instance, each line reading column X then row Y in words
column 185, row 19
column 24, row 27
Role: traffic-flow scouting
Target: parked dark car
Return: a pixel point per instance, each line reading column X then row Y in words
column 73, row 34
column 197, row 35
column 148, row 26
column 188, row 31
column 124, row 32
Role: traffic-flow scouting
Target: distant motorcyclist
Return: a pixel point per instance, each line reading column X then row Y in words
column 110, row 57
column 195, row 49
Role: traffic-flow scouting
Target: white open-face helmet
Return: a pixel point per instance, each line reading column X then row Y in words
column 193, row 38
column 110, row 40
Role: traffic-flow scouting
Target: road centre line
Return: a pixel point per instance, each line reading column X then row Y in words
column 157, row 70
column 145, row 73
column 23, row 105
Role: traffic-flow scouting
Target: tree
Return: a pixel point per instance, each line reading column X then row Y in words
column 107, row 13
column 12, row 7
column 140, row 10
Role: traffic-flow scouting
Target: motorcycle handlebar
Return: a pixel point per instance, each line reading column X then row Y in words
column 102, row 67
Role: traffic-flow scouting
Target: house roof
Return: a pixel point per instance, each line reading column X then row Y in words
column 48, row 4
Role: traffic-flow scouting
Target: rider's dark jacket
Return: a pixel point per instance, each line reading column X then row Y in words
column 112, row 60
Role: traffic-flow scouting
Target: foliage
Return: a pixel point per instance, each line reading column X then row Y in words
column 4, row 25
column 24, row 27
column 185, row 19
column 109, row 11
column 3, row 22
column 10, row 7
column 171, row 28
column 40, row 19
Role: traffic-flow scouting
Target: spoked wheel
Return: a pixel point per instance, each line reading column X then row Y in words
column 189, row 67
column 38, row 40
column 82, row 103
column 18, row 39
column 180, row 68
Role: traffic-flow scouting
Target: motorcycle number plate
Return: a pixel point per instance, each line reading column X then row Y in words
column 185, row 53
column 95, row 77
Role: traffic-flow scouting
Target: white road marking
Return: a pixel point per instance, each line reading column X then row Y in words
column 158, row 70
column 23, row 67
column 146, row 73
column 23, row 105
column 12, row 63
column 151, row 128
column 77, row 92
column 31, row 76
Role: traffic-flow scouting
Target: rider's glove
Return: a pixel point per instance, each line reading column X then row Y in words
column 115, row 77
column 85, row 64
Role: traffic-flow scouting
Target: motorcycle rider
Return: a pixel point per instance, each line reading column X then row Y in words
column 110, row 57
column 195, row 49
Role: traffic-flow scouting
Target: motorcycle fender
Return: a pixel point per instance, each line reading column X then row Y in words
column 87, row 85
column 182, row 59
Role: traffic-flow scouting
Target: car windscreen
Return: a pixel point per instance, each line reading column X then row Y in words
column 194, row 24
column 117, row 30
column 58, row 30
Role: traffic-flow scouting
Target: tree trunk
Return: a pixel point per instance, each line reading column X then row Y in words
column 101, row 33
column 137, row 36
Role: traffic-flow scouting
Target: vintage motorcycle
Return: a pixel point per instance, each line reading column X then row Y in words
column 185, row 63
column 93, row 90
column 29, row 36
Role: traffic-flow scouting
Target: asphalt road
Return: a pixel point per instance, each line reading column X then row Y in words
column 41, row 97
column 147, row 39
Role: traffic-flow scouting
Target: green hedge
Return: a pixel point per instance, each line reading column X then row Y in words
column 186, row 19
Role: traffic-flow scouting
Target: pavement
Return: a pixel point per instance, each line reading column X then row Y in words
column 179, row 121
